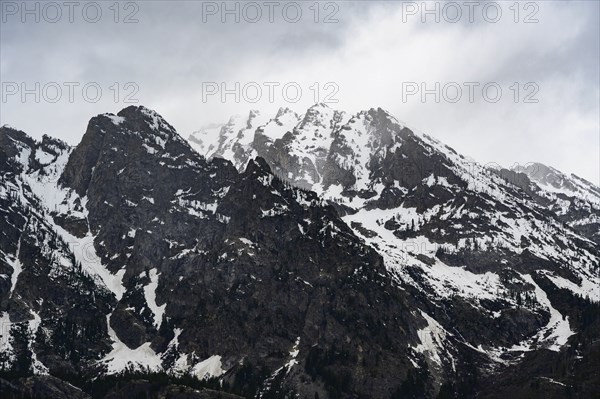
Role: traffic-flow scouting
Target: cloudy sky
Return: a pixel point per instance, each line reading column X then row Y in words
column 177, row 57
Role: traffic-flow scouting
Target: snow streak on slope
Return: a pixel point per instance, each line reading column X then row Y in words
column 16, row 264
column 432, row 338
column 55, row 198
column 458, row 207
column 587, row 288
column 558, row 330
column 5, row 339
column 85, row 253
column 33, row 326
column 150, row 295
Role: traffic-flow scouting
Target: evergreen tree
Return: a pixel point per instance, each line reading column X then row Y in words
column 20, row 341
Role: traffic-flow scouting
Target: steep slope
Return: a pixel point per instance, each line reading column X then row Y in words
column 575, row 200
column 195, row 268
column 408, row 271
column 52, row 309
column 231, row 141
column 296, row 146
column 485, row 249
column 206, row 140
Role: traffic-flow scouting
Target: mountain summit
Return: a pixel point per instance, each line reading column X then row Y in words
column 319, row 255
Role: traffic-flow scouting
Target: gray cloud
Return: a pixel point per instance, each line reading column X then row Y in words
column 369, row 53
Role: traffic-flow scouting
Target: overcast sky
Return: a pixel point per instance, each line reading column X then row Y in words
column 372, row 54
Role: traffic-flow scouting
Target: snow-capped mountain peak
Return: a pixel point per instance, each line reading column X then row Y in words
column 336, row 243
column 553, row 180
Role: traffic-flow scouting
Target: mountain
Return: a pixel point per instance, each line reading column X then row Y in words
column 319, row 255
column 445, row 225
column 575, row 200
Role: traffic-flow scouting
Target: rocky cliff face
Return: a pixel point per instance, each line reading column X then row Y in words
column 45, row 292
column 477, row 241
column 319, row 255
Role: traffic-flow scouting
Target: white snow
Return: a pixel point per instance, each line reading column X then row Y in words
column 16, row 265
column 432, row 338
column 553, row 381
column 43, row 157
column 149, row 150
column 150, row 295
column 293, row 355
column 117, row 120
column 556, row 333
column 246, row 241
column 181, row 365
column 449, row 279
column 208, row 368
column 58, row 199
column 156, row 123
column 34, row 325
column 446, row 280
column 5, row 334
column 588, row 289
column 85, row 253
column 121, row 356
column 285, row 122
column 206, row 140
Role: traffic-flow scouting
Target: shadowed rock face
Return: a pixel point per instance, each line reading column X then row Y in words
column 241, row 265
column 424, row 207
column 132, row 247
column 252, row 281
column 47, row 290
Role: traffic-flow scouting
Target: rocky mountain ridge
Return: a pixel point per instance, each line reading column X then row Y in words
column 406, row 271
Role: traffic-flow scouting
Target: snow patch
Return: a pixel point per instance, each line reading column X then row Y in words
column 558, row 330
column 432, row 338
column 121, row 356
column 117, row 120
column 588, row 289
column 208, row 368
column 150, row 295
